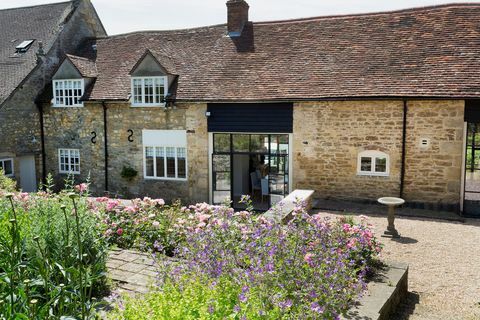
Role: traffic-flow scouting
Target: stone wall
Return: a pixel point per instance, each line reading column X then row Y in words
column 73, row 129
column 329, row 135
column 433, row 173
column 19, row 116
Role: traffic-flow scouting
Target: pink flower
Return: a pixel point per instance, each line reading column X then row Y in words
column 112, row 204
column 308, row 258
column 108, row 232
column 101, row 199
column 346, row 227
column 131, row 209
column 159, row 202
column 351, row 243
column 120, row 231
column 203, row 217
column 82, row 187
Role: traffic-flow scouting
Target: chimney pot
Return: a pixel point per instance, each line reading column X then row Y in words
column 237, row 17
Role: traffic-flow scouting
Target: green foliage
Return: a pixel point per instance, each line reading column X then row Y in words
column 6, row 184
column 52, row 261
column 128, row 173
column 195, row 298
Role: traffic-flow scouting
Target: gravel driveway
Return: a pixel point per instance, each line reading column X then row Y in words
column 444, row 259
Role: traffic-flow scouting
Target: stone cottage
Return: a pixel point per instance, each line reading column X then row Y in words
column 354, row 107
column 33, row 41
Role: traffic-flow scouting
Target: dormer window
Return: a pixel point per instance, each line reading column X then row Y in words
column 67, row 93
column 149, row 91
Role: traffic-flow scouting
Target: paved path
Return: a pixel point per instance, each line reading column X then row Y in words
column 132, row 271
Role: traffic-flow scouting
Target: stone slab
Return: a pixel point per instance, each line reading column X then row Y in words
column 383, row 295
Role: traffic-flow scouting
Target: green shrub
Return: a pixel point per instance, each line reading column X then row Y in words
column 195, row 298
column 6, row 184
column 53, row 259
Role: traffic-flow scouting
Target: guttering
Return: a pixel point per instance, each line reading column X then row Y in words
column 404, row 140
column 105, row 145
column 42, row 141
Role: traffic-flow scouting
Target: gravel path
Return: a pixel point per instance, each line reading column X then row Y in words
column 444, row 260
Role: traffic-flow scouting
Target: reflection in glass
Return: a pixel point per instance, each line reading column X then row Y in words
column 381, row 165
column 241, row 142
column 221, row 142
column 366, row 164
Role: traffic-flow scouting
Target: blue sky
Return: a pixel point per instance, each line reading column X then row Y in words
column 120, row 16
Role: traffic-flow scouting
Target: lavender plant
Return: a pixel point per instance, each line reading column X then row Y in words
column 243, row 266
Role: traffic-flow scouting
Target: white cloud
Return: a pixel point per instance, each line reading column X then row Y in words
column 120, row 16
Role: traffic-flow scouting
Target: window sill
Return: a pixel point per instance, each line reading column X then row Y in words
column 373, row 174
column 66, row 172
column 165, row 179
column 64, row 106
column 161, row 105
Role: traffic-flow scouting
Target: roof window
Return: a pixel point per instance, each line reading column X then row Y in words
column 24, row 46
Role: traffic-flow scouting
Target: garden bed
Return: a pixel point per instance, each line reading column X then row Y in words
column 235, row 265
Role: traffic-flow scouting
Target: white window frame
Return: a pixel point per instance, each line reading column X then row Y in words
column 69, row 152
column 143, row 103
column 176, row 139
column 3, row 166
column 373, row 155
column 64, row 81
column 155, row 177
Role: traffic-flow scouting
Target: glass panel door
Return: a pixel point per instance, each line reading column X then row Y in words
column 250, row 164
column 222, row 178
column 472, row 171
column 278, row 165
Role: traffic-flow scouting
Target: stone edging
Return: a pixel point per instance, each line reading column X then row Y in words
column 384, row 294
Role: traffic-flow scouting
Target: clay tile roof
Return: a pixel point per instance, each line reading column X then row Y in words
column 39, row 23
column 422, row 52
column 86, row 67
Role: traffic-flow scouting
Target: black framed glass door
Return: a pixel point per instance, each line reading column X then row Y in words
column 256, row 165
column 471, row 203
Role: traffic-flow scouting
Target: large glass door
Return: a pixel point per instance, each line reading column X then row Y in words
column 256, row 165
column 471, row 203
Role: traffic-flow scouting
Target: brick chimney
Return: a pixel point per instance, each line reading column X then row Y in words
column 237, row 17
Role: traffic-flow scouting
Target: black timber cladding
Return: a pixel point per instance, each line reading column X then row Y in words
column 472, row 111
column 250, row 117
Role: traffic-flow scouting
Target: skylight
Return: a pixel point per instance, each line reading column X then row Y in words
column 24, row 46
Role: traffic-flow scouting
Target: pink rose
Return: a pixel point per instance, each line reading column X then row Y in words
column 131, row 209
column 112, row 204
column 82, row 187
column 120, row 231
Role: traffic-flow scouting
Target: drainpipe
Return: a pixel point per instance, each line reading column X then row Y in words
column 42, row 141
column 404, row 140
column 105, row 146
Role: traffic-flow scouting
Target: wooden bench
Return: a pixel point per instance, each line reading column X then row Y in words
column 282, row 211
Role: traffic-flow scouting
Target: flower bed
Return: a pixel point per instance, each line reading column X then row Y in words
column 52, row 257
column 241, row 266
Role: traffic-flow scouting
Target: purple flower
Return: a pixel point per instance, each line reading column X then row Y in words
column 315, row 307
column 211, row 309
column 285, row 304
column 242, row 297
